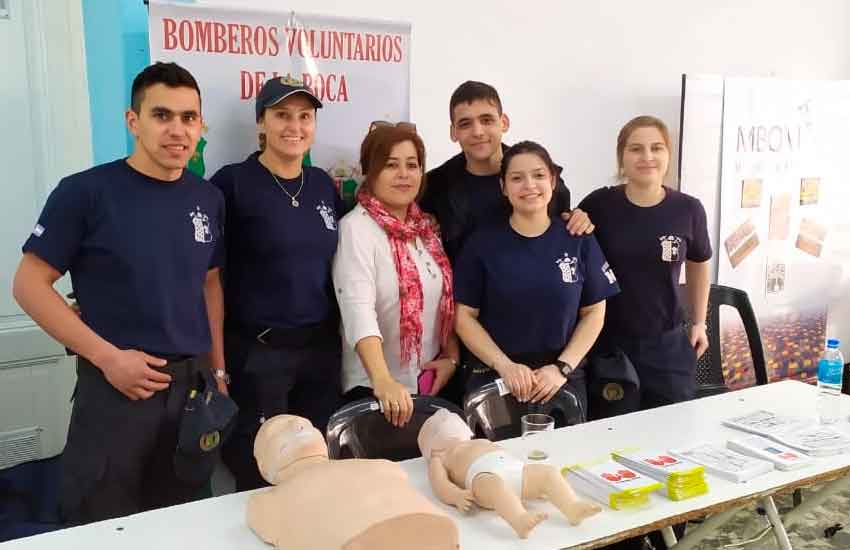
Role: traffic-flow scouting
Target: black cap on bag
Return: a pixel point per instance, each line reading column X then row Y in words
column 205, row 424
column 277, row 89
column 613, row 386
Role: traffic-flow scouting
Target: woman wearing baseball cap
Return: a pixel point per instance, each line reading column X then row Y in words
column 281, row 338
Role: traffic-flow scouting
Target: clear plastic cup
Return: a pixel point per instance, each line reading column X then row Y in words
column 533, row 425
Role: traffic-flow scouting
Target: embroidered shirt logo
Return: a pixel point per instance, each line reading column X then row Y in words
column 567, row 266
column 38, row 230
column 327, row 214
column 609, row 273
column 201, row 225
column 670, row 248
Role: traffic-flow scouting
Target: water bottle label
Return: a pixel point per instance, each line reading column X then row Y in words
column 829, row 372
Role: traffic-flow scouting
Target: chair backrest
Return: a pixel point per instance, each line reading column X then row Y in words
column 709, row 375
column 495, row 416
column 360, row 430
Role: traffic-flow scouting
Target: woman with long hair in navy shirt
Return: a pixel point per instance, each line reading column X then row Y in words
column 530, row 296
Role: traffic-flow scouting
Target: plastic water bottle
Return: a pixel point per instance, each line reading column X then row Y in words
column 830, row 370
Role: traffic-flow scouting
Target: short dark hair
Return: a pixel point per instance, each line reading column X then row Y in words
column 532, row 148
column 470, row 91
column 376, row 149
column 170, row 74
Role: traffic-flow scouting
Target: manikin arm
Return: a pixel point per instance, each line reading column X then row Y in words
column 446, row 491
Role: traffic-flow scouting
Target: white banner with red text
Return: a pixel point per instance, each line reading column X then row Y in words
column 360, row 69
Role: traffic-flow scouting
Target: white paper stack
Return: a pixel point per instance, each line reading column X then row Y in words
column 783, row 457
column 723, row 462
column 611, row 484
column 803, row 434
column 816, row 440
column 766, row 423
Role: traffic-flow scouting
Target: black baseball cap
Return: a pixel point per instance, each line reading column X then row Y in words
column 613, row 385
column 277, row 89
column 205, row 424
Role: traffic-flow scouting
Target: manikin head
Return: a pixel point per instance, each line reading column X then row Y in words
column 443, row 429
column 283, row 440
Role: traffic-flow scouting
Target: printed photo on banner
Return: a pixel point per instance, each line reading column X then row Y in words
column 783, row 194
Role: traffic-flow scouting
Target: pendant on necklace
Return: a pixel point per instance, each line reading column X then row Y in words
column 295, row 203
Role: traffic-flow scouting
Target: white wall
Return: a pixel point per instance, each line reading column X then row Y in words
column 44, row 116
column 571, row 73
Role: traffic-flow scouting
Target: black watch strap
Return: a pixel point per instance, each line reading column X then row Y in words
column 564, row 367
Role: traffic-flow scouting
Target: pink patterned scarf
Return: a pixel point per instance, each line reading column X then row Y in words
column 409, row 286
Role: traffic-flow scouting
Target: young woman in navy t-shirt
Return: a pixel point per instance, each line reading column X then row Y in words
column 648, row 231
column 282, row 345
column 530, row 296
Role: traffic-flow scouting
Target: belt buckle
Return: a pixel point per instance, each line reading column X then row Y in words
column 261, row 336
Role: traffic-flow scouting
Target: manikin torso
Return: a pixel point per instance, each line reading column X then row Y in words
column 353, row 504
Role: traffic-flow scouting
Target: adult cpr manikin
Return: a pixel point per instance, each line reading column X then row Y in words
column 337, row 504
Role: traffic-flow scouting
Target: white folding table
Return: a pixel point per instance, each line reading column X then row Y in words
column 219, row 523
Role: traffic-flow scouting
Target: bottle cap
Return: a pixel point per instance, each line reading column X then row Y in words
column 833, row 343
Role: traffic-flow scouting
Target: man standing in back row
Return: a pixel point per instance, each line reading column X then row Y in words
column 465, row 193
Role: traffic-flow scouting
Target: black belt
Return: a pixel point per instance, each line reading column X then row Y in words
column 297, row 337
column 172, row 358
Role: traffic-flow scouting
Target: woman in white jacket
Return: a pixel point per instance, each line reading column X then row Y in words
column 393, row 281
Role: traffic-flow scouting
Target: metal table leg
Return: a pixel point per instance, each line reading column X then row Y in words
column 706, row 529
column 776, row 522
column 669, row 536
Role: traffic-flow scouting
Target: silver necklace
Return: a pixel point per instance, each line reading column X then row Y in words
column 294, row 197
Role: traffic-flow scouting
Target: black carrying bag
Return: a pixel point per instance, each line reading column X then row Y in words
column 613, row 385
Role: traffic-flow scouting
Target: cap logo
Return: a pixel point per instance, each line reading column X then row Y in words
column 210, row 441
column 290, row 81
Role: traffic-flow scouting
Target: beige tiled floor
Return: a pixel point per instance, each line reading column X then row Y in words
column 807, row 535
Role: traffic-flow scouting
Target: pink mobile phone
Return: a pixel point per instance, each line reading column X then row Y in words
column 426, row 381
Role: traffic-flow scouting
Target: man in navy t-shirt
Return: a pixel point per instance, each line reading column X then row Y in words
column 141, row 239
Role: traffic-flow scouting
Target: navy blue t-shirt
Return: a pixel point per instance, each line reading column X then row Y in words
column 278, row 271
column 646, row 247
column 529, row 289
column 484, row 194
column 138, row 250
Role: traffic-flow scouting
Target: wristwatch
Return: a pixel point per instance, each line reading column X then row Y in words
column 221, row 374
column 565, row 367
